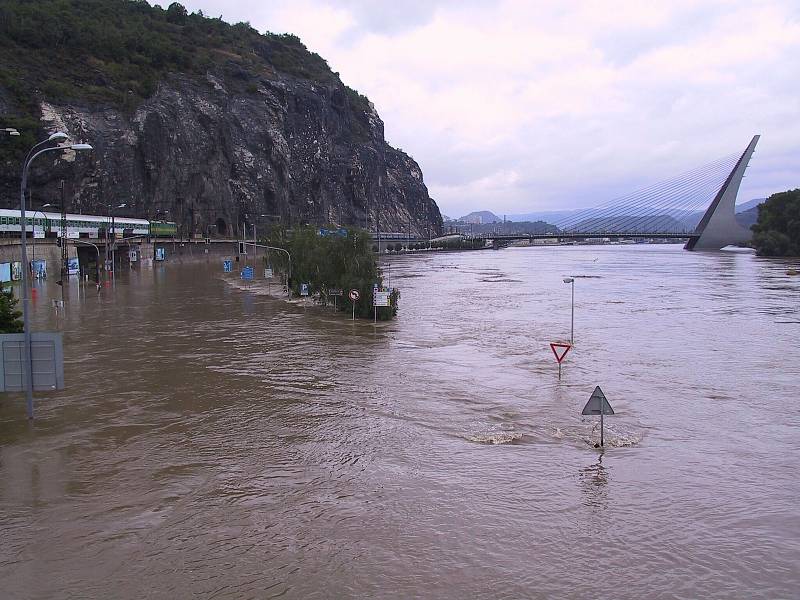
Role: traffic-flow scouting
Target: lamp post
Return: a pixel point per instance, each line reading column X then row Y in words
column 10, row 131
column 112, row 212
column 289, row 272
column 26, row 328
column 33, row 246
column 571, row 281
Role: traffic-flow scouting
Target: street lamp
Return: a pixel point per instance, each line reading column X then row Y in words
column 571, row 281
column 10, row 131
column 62, row 234
column 33, row 259
column 26, row 352
column 111, row 210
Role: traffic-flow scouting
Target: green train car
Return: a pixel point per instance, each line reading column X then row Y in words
column 163, row 228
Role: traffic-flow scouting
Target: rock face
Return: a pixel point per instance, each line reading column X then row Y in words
column 218, row 161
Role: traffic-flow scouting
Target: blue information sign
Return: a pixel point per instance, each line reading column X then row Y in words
column 247, row 273
column 227, row 266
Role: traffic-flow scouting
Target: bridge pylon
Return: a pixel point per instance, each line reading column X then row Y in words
column 718, row 227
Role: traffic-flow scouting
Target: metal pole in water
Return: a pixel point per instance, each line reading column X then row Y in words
column 572, row 320
column 602, row 410
column 571, row 281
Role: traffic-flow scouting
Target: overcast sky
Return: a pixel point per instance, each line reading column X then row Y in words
column 518, row 106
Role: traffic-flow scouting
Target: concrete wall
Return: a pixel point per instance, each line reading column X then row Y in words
column 11, row 251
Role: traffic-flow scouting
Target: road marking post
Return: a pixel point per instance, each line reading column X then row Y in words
column 560, row 350
column 598, row 405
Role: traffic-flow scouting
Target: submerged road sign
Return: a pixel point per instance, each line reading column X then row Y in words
column 46, row 358
column 560, row 350
column 354, row 295
column 598, row 405
column 380, row 298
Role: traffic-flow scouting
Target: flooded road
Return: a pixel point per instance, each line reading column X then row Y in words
column 213, row 442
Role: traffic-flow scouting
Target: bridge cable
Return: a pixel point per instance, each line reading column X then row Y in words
column 654, row 205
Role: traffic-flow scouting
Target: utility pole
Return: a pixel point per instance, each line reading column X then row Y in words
column 108, row 226
column 64, row 254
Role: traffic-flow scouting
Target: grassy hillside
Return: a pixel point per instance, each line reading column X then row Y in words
column 116, row 51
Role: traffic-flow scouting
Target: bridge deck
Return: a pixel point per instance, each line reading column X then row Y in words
column 588, row 235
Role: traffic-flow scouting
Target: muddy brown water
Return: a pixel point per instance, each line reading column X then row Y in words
column 214, row 442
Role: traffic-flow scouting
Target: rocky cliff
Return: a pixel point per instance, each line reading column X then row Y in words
column 220, row 149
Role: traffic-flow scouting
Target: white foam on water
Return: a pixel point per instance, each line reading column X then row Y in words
column 611, row 437
column 496, row 437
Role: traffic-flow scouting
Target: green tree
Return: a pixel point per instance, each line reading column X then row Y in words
column 345, row 262
column 777, row 231
column 9, row 315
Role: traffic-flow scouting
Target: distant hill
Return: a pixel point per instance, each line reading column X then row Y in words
column 747, row 218
column 507, row 228
column 548, row 216
column 749, row 204
column 481, row 216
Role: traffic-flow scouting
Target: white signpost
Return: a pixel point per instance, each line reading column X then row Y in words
column 379, row 298
column 382, row 299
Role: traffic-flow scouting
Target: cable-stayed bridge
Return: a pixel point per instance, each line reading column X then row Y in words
column 666, row 210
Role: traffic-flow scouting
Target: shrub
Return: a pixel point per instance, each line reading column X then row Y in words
column 777, row 231
column 9, row 315
column 348, row 263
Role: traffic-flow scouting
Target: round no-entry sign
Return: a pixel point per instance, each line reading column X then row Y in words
column 354, row 295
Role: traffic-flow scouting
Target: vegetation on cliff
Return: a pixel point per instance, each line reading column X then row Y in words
column 116, row 51
column 344, row 262
column 777, row 231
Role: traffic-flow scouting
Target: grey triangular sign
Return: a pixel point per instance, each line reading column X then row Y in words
column 597, row 403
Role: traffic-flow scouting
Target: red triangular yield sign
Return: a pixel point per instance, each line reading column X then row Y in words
column 560, row 350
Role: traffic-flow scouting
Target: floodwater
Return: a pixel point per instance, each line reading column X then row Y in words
column 214, row 442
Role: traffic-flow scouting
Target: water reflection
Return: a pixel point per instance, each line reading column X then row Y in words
column 594, row 480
